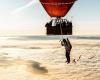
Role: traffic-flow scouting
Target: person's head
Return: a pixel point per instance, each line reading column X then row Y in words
column 64, row 40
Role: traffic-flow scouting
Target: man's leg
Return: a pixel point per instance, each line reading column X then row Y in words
column 68, row 57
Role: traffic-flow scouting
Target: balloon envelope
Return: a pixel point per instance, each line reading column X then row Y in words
column 57, row 8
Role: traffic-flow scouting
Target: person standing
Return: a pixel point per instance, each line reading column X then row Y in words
column 68, row 47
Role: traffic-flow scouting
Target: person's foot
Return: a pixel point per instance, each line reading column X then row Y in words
column 67, row 62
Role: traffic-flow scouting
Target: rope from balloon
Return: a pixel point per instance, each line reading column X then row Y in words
column 60, row 21
column 61, row 29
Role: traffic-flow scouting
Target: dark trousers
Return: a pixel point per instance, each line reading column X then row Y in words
column 68, row 56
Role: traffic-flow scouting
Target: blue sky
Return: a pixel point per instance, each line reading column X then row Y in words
column 24, row 17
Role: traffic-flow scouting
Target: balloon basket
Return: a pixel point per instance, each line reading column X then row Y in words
column 59, row 26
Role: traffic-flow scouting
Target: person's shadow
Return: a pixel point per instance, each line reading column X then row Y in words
column 36, row 66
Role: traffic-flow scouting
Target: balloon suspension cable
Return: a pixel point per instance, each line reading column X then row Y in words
column 61, row 29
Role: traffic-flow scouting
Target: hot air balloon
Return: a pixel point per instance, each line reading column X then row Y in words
column 58, row 9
